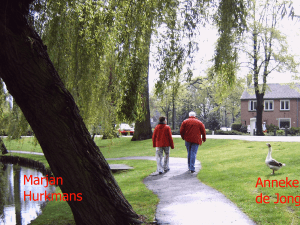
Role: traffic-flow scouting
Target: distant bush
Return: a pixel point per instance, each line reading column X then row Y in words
column 243, row 129
column 176, row 132
column 208, row 131
column 232, row 132
column 293, row 131
column 271, row 128
column 3, row 132
column 236, row 126
column 280, row 132
column 213, row 121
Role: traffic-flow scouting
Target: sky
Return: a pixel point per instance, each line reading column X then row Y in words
column 208, row 37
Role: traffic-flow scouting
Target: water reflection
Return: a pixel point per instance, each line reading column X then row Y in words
column 13, row 208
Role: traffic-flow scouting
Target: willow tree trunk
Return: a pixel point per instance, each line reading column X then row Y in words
column 143, row 128
column 54, row 117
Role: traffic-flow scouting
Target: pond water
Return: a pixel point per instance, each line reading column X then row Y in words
column 14, row 209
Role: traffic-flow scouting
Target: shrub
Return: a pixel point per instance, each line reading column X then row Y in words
column 280, row 132
column 213, row 121
column 176, row 132
column 208, row 131
column 294, row 131
column 243, row 129
column 271, row 128
column 232, row 132
column 237, row 126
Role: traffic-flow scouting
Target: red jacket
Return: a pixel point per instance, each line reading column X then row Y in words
column 191, row 130
column 162, row 136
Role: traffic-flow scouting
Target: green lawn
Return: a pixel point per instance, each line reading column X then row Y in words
column 230, row 166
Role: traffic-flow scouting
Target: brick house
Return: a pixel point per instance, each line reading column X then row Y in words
column 281, row 106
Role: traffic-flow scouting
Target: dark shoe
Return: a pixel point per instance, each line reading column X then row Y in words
column 167, row 170
column 192, row 171
column 160, row 172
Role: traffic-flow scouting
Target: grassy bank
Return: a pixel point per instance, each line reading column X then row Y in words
column 142, row 200
column 231, row 166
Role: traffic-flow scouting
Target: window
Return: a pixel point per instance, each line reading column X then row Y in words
column 284, row 104
column 252, row 105
column 269, row 105
column 284, row 122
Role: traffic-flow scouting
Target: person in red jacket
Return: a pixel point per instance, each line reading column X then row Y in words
column 191, row 131
column 162, row 140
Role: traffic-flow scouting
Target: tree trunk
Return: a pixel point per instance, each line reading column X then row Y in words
column 173, row 111
column 142, row 129
column 54, row 117
column 259, row 96
column 2, row 147
column 259, row 112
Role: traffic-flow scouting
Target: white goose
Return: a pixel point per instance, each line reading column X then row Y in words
column 272, row 163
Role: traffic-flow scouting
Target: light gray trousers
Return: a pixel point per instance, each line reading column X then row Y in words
column 159, row 158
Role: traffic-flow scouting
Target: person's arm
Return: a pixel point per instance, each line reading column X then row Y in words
column 154, row 138
column 171, row 139
column 182, row 131
column 203, row 132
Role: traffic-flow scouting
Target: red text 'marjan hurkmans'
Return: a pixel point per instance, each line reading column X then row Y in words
column 46, row 181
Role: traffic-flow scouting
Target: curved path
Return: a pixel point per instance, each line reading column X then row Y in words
column 185, row 200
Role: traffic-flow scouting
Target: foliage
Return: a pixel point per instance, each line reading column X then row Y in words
column 230, row 19
column 236, row 126
column 94, row 43
column 294, row 131
column 243, row 129
column 97, row 51
column 176, row 46
column 213, row 121
column 202, row 95
column 271, row 128
column 176, row 132
column 226, row 98
column 261, row 42
column 231, row 132
column 280, row 132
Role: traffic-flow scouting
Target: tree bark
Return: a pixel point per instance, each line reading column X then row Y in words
column 142, row 129
column 259, row 112
column 173, row 110
column 54, row 117
column 3, row 148
column 259, row 96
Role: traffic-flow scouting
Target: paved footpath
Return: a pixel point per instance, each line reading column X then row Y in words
column 184, row 200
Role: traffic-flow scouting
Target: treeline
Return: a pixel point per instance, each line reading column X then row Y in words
column 215, row 106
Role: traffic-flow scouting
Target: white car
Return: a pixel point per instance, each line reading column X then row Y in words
column 126, row 129
column 225, row 128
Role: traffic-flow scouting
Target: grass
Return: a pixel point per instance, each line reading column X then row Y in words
column 233, row 167
column 55, row 213
column 230, row 166
column 142, row 199
column 23, row 144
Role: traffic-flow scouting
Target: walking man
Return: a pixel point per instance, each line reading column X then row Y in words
column 191, row 131
column 162, row 140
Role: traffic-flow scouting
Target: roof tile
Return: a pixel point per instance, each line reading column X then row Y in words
column 275, row 91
